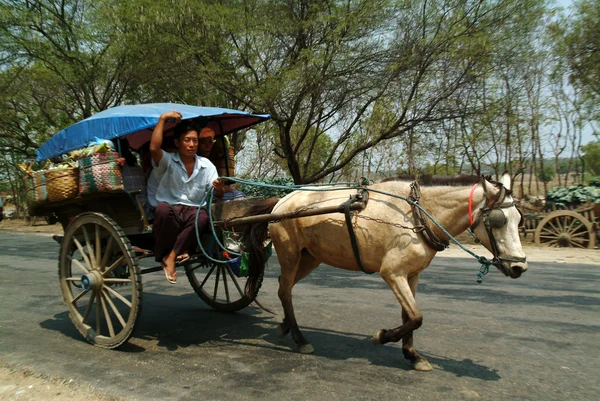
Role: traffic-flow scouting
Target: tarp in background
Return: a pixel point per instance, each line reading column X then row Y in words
column 137, row 121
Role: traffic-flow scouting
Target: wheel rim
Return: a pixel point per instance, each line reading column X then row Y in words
column 565, row 229
column 100, row 280
column 218, row 286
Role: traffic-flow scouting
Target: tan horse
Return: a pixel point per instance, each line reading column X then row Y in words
column 398, row 254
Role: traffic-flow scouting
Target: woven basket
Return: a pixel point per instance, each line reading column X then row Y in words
column 36, row 187
column 62, row 183
column 220, row 161
column 100, row 173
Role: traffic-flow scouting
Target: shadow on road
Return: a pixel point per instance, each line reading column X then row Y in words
column 173, row 323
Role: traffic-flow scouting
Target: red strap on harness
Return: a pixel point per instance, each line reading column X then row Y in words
column 471, row 205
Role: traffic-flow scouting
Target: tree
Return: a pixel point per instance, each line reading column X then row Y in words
column 582, row 42
column 591, row 157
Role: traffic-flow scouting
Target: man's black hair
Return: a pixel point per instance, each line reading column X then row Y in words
column 184, row 127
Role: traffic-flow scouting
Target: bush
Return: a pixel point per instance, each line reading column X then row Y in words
column 547, row 174
column 594, row 181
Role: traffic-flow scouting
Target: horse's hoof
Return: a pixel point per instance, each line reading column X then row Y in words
column 306, row 349
column 422, row 365
column 376, row 339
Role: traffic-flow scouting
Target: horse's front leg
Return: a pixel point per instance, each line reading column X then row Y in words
column 405, row 290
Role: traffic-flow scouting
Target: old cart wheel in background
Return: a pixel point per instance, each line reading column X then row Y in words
column 218, row 285
column 100, row 280
column 565, row 228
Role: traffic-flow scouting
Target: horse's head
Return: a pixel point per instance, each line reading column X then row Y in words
column 496, row 225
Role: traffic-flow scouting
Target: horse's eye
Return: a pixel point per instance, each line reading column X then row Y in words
column 496, row 218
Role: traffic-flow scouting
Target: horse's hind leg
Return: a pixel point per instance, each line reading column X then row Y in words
column 293, row 271
column 405, row 290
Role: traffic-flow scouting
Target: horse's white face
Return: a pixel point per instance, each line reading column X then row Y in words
column 503, row 222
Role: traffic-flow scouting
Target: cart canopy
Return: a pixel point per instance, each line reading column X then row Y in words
column 137, row 121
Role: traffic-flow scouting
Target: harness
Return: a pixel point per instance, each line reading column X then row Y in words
column 361, row 196
column 493, row 217
column 426, row 232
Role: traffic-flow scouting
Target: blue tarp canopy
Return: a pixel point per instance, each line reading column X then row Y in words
column 137, row 121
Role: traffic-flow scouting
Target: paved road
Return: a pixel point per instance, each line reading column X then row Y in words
column 535, row 338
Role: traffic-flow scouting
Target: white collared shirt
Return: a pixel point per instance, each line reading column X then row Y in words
column 176, row 187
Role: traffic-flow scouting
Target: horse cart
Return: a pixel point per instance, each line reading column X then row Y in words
column 107, row 235
column 575, row 228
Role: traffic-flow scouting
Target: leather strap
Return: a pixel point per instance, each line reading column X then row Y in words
column 427, row 233
column 353, row 241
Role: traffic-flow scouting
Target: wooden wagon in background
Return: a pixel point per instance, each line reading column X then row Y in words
column 576, row 228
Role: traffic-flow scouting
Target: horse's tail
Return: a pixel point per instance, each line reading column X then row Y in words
column 253, row 242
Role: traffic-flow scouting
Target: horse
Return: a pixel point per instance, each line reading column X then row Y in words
column 389, row 242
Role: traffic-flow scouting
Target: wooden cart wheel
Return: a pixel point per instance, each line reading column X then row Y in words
column 565, row 228
column 218, row 286
column 100, row 280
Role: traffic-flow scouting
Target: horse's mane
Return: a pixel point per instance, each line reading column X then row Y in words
column 428, row 180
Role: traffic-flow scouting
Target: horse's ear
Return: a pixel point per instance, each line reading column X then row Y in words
column 505, row 180
column 489, row 189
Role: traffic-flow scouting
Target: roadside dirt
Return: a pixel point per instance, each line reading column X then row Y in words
column 21, row 384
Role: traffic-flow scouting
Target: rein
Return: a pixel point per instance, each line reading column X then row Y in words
column 485, row 263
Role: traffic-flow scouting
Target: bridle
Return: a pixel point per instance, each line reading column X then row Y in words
column 493, row 217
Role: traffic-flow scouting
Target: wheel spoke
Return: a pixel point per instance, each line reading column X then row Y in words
column 114, row 309
column 82, row 293
column 580, row 234
column 550, row 232
column 89, row 247
column 85, row 257
column 572, row 226
column 117, row 263
column 225, row 284
column 216, row 284
column 78, row 264
column 89, row 307
column 119, row 296
column 72, row 279
column 98, row 315
column 117, row 280
column 553, row 226
column 107, row 253
column 578, row 245
column 207, row 276
column 111, row 330
column 98, row 250
column 230, row 272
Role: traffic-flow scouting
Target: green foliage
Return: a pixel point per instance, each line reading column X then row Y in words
column 268, row 192
column 582, row 41
column 591, row 156
column 547, row 174
column 594, row 182
column 572, row 196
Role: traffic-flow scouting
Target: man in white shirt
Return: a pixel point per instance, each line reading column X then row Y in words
column 184, row 180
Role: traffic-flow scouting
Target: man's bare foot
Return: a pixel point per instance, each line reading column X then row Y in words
column 168, row 265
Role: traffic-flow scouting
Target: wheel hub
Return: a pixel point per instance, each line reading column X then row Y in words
column 564, row 240
column 92, row 281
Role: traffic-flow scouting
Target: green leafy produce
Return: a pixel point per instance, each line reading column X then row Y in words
column 574, row 195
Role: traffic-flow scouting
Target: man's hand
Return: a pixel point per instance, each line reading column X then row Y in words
column 157, row 134
column 219, row 187
column 171, row 115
